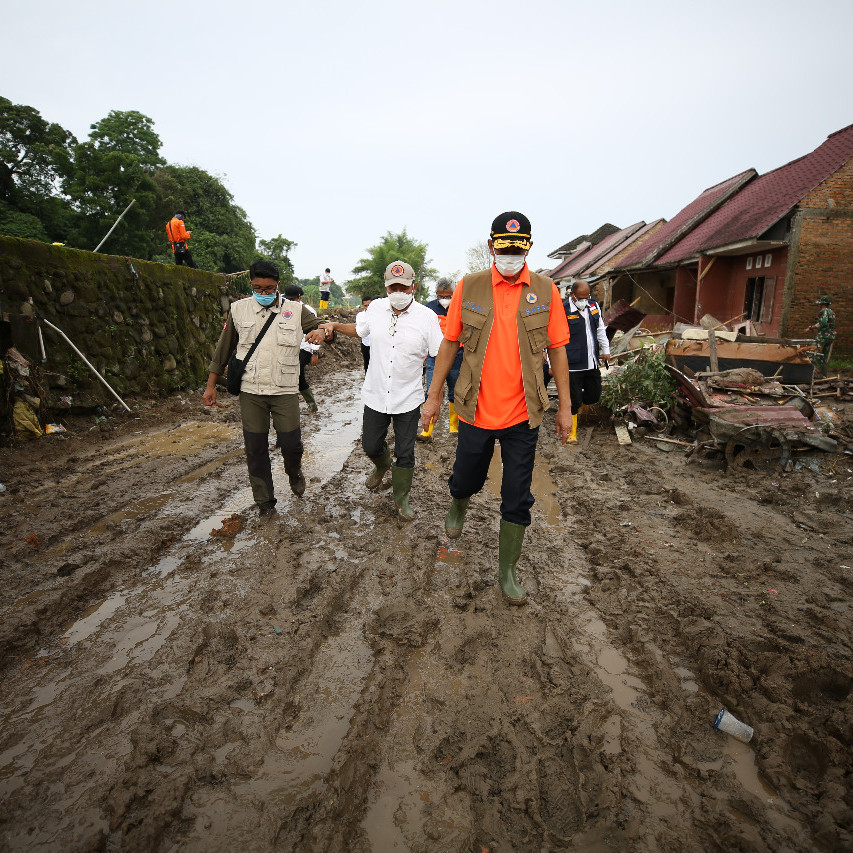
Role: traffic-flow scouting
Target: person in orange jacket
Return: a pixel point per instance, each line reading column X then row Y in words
column 178, row 236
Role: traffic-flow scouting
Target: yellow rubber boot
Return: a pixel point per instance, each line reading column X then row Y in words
column 426, row 435
column 573, row 435
column 323, row 304
column 453, row 419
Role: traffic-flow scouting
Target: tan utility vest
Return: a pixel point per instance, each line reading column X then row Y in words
column 274, row 366
column 478, row 314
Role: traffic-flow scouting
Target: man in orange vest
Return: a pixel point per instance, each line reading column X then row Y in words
column 505, row 317
column 178, row 236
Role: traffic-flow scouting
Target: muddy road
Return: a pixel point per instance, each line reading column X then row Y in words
column 333, row 680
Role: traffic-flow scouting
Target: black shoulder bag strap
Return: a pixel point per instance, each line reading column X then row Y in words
column 263, row 331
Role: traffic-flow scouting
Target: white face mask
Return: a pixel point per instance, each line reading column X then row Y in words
column 509, row 264
column 444, row 302
column 399, row 300
column 581, row 303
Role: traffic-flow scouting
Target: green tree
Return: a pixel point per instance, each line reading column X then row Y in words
column 35, row 155
column 223, row 238
column 129, row 132
column 478, row 257
column 370, row 271
column 104, row 183
column 277, row 250
column 35, row 159
column 114, row 166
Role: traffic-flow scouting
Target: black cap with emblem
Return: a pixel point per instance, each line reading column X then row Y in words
column 511, row 229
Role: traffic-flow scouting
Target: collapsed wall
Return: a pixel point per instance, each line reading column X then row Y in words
column 147, row 327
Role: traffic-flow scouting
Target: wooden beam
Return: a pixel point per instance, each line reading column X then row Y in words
column 708, row 268
column 712, row 351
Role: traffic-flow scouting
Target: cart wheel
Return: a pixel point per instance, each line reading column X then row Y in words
column 759, row 448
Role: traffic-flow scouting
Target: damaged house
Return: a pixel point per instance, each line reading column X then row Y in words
column 754, row 250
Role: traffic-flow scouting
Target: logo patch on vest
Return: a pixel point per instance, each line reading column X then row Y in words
column 473, row 307
column 512, row 226
column 538, row 309
column 287, row 314
column 531, row 297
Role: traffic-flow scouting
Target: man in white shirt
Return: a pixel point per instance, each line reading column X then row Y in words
column 325, row 288
column 307, row 352
column 402, row 334
column 588, row 346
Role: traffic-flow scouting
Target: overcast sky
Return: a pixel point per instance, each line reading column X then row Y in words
column 334, row 122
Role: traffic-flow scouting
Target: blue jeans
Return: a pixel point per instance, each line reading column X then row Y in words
column 452, row 376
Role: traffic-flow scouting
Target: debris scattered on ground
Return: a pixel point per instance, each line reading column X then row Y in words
column 231, row 526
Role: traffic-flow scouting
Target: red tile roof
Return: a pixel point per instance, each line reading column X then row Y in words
column 686, row 220
column 766, row 200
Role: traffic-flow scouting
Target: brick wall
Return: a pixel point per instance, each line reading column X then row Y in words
column 824, row 266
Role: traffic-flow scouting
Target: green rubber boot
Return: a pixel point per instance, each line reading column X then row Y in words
column 401, row 480
column 382, row 463
column 455, row 519
column 511, row 539
column 308, row 396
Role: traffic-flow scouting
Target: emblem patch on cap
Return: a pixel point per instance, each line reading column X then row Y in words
column 397, row 270
column 512, row 226
column 287, row 315
column 531, row 297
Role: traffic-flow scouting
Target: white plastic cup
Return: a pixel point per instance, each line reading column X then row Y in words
column 732, row 725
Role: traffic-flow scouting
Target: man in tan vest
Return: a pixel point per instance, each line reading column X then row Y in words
column 505, row 317
column 271, row 379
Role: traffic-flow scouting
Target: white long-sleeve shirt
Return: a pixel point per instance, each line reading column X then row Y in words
column 392, row 383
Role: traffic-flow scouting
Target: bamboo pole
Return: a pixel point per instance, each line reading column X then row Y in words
column 88, row 363
column 121, row 216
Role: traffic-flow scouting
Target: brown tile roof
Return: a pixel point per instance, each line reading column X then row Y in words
column 582, row 262
column 686, row 220
column 766, row 200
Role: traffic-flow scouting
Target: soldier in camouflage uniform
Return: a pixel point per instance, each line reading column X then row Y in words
column 825, row 332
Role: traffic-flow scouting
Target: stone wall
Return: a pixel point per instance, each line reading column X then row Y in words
column 147, row 327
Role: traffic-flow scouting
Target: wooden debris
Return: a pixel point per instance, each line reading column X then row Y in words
column 622, row 434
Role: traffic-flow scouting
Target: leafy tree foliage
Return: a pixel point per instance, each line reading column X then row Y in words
column 103, row 184
column 128, row 132
column 35, row 155
column 278, row 250
column 223, row 238
column 54, row 188
column 478, row 257
column 370, row 271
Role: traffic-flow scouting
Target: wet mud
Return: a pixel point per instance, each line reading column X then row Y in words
column 333, row 679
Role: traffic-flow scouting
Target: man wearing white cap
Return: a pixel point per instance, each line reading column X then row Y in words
column 402, row 334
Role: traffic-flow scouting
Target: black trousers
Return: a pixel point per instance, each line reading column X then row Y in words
column 365, row 354
column 474, row 450
column 184, row 258
column 375, row 428
column 304, row 359
column 584, row 387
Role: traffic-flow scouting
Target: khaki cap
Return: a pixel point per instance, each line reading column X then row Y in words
column 399, row 271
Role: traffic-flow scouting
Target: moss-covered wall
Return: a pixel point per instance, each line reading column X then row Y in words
column 147, row 327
